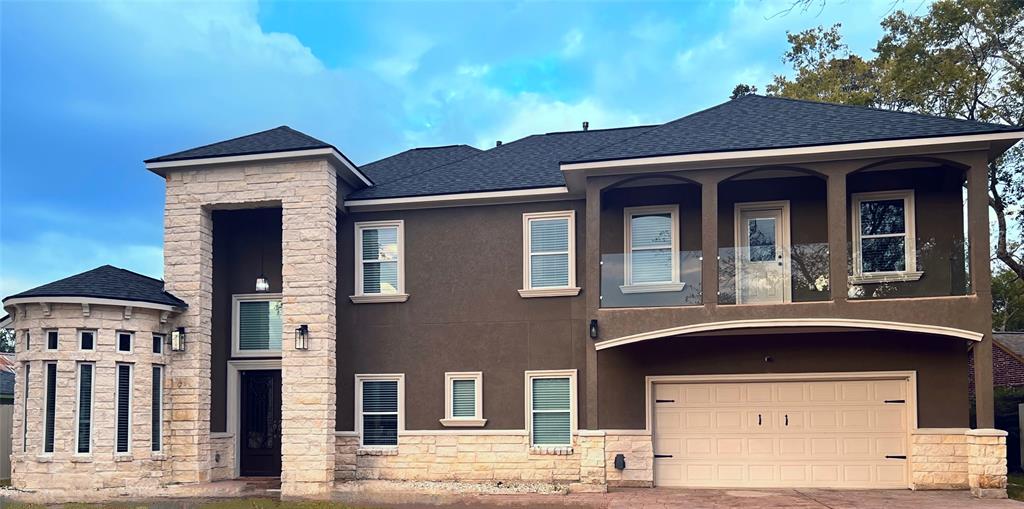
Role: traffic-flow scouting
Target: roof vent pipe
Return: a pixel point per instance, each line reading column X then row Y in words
column 586, row 125
column 498, row 143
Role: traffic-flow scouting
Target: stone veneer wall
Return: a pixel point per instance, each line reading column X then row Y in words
column 956, row 459
column 222, row 456
column 34, row 470
column 639, row 453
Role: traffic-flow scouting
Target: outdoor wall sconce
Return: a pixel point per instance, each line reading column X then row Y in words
column 593, row 329
column 262, row 284
column 178, row 340
column 302, row 337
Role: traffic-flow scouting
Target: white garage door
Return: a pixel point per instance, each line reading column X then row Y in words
column 837, row 434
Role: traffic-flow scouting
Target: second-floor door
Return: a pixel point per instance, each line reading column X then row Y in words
column 762, row 260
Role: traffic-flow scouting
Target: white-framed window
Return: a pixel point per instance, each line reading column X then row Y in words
column 256, row 325
column 549, row 254
column 26, row 373
column 50, row 408
column 83, row 407
column 123, row 399
column 551, row 407
column 27, row 336
column 157, row 409
column 883, row 236
column 125, row 341
column 652, row 249
column 52, row 339
column 464, row 399
column 380, row 262
column 380, row 409
column 86, row 340
column 158, row 343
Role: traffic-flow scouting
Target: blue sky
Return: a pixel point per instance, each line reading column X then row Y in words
column 89, row 90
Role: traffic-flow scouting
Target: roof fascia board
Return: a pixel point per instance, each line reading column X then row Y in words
column 356, row 176
column 6, row 321
column 464, row 199
column 836, row 150
column 92, row 301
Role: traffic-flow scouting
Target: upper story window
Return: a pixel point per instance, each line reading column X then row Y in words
column 124, row 341
column 883, row 236
column 652, row 249
column 86, row 340
column 256, row 324
column 158, row 343
column 463, row 402
column 380, row 262
column 52, row 339
column 549, row 257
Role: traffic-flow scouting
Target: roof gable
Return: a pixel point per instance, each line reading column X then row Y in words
column 278, row 139
column 106, row 282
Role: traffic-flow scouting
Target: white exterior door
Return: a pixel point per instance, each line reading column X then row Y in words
column 762, row 253
column 829, row 434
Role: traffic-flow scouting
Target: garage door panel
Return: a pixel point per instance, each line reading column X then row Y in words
column 797, row 434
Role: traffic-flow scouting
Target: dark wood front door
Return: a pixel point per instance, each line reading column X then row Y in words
column 260, row 411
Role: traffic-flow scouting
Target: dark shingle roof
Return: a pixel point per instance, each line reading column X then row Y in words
column 1012, row 341
column 278, row 139
column 522, row 164
column 107, row 282
column 415, row 161
column 758, row 122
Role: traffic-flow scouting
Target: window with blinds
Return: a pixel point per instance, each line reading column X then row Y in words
column 463, row 398
column 379, row 262
column 87, row 340
column 51, row 406
column 52, row 340
column 550, row 247
column 551, row 411
column 83, row 439
column 463, row 401
column 258, row 325
column 379, row 412
column 651, row 243
column 157, row 407
column 122, row 433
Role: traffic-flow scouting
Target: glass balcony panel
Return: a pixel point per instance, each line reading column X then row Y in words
column 797, row 273
column 939, row 268
column 647, row 278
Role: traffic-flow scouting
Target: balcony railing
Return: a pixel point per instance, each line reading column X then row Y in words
column 773, row 274
column 651, row 279
column 938, row 267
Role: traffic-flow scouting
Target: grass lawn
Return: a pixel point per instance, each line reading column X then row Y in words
column 237, row 503
column 1015, row 486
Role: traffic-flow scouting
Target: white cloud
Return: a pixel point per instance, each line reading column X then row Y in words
column 572, row 43
column 534, row 114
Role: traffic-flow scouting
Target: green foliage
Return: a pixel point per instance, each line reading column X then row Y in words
column 7, row 340
column 1007, row 301
column 742, row 89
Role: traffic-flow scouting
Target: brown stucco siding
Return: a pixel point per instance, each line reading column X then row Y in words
column 463, row 269
column 942, row 398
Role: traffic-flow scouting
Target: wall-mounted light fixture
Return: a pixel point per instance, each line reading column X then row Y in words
column 262, row 284
column 178, row 340
column 302, row 337
column 593, row 329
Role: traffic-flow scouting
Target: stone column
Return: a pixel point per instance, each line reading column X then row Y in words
column 592, row 463
column 309, row 284
column 986, row 462
column 188, row 272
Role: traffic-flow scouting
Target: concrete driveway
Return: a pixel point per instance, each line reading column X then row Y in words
column 659, row 498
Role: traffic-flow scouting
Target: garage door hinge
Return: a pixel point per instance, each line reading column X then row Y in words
column 895, row 457
column 664, row 401
column 662, row 456
column 895, row 401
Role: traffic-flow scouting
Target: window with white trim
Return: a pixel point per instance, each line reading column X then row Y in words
column 157, row 409
column 551, row 401
column 379, row 409
column 87, row 340
column 883, row 233
column 380, row 260
column 123, row 398
column 125, row 341
column 549, row 254
column 24, row 407
column 52, row 339
column 83, row 418
column 652, row 249
column 256, row 325
column 463, row 399
column 50, row 408
column 27, row 336
column 158, row 343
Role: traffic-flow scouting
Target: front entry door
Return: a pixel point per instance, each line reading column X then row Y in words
column 260, row 412
column 762, row 260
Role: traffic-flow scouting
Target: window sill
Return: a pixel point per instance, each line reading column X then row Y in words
column 377, row 451
column 551, row 450
column 886, row 277
column 549, row 292
column 375, row 299
column 158, row 456
column 463, row 423
column 123, row 457
column 652, row 288
column 81, row 458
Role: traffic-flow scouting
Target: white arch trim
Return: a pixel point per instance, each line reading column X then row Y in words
column 91, row 300
column 850, row 323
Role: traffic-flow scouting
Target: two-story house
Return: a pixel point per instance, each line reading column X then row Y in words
column 766, row 293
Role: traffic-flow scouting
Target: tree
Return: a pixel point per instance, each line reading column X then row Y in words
column 742, row 89
column 1007, row 301
column 961, row 59
column 7, row 340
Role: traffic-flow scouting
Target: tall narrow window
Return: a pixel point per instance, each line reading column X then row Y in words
column 52, row 340
column 158, row 343
column 87, row 340
column 552, row 407
column 883, row 227
column 549, row 257
column 257, row 325
column 124, row 408
column 379, row 398
column 28, row 339
column 652, row 249
column 84, row 418
column 464, row 399
column 24, row 408
column 158, row 408
column 124, row 341
column 380, row 263
column 51, row 406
